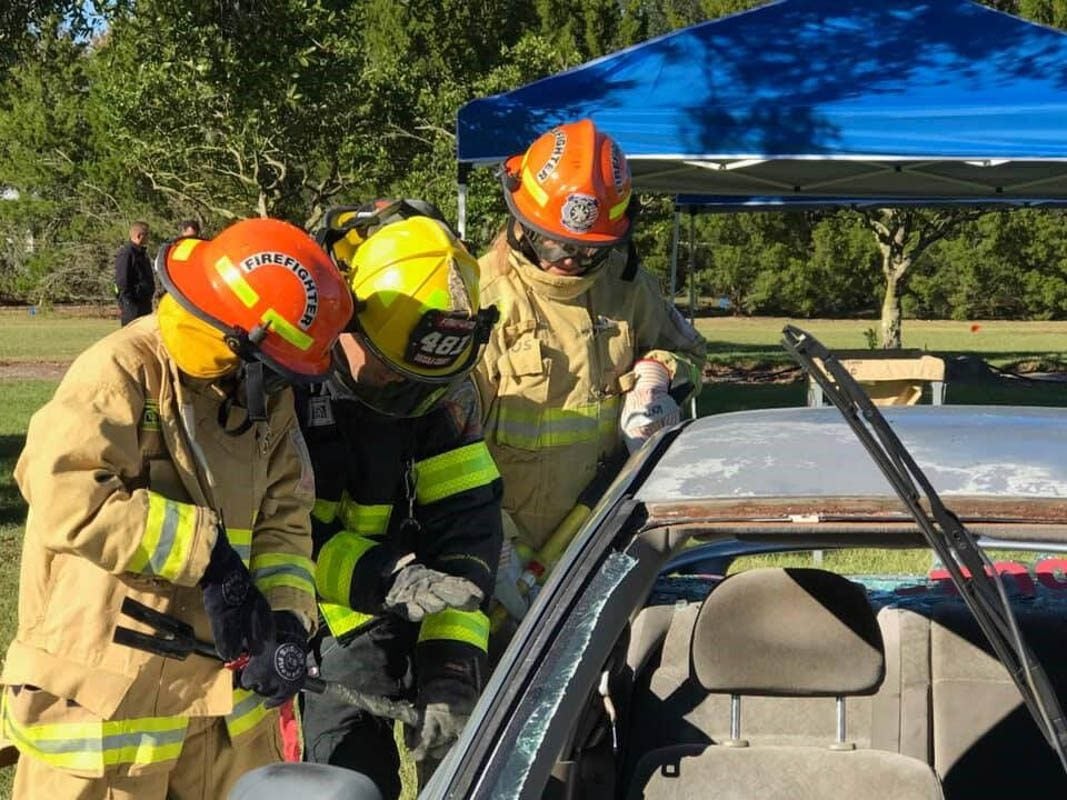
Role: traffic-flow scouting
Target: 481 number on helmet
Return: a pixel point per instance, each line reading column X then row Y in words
column 439, row 344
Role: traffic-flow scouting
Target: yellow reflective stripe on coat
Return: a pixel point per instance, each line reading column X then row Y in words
column 167, row 541
column 248, row 711
column 241, row 541
column 93, row 746
column 342, row 619
column 471, row 627
column 556, row 427
column 337, row 561
column 453, row 472
column 368, row 520
column 325, row 510
column 271, row 570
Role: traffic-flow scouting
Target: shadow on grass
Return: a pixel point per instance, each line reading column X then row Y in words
column 12, row 507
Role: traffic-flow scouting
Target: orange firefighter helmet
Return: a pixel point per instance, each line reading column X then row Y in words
column 572, row 185
column 269, row 287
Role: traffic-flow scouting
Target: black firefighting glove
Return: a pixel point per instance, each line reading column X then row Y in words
column 232, row 602
column 418, row 591
column 277, row 667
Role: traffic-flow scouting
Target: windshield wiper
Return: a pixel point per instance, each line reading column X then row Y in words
column 971, row 571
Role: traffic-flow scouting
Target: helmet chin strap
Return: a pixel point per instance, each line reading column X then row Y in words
column 251, row 377
column 522, row 245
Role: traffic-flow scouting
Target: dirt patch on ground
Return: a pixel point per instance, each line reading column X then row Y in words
column 756, row 373
column 28, row 370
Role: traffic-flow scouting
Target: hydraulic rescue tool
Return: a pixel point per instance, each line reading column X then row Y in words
column 539, row 564
column 173, row 638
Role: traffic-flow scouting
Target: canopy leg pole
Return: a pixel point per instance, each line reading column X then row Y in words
column 691, row 277
column 692, row 265
column 674, row 252
column 461, row 200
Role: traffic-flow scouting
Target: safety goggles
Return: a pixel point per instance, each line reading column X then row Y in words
column 552, row 251
column 406, row 398
column 386, row 390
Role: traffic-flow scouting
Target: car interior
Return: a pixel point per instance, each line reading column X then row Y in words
column 798, row 682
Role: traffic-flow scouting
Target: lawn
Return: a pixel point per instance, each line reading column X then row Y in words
column 21, row 399
column 48, row 337
column 1001, row 343
column 27, row 341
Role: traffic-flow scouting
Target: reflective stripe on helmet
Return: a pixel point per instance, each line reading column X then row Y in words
column 167, row 541
column 287, row 330
column 530, row 184
column 556, row 427
column 272, row 570
column 453, row 472
column 93, row 746
column 235, row 280
column 184, row 248
column 337, row 560
column 619, row 208
column 471, row 627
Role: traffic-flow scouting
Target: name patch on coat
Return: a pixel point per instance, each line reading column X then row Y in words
column 150, row 415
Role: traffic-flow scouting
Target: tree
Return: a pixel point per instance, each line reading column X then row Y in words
column 1047, row 12
column 67, row 211
column 236, row 110
column 1004, row 265
column 23, row 21
column 904, row 234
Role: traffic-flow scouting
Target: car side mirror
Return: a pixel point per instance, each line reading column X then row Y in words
column 288, row 780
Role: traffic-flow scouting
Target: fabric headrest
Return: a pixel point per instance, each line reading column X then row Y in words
column 788, row 632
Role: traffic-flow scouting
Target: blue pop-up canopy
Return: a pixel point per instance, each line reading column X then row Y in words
column 822, row 98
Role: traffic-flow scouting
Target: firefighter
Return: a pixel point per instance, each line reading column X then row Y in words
column 588, row 353
column 407, row 519
column 169, row 468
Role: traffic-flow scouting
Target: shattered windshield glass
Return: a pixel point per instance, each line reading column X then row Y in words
column 544, row 698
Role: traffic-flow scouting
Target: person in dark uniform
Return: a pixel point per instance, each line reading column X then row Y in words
column 407, row 522
column 134, row 282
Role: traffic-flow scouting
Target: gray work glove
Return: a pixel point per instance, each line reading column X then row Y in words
column 418, row 591
column 444, row 707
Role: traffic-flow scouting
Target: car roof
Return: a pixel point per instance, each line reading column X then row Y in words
column 1001, row 462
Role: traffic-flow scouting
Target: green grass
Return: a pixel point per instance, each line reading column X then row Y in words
column 48, row 336
column 1000, row 342
column 21, row 399
column 904, row 561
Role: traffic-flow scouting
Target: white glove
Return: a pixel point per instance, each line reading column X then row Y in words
column 648, row 406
